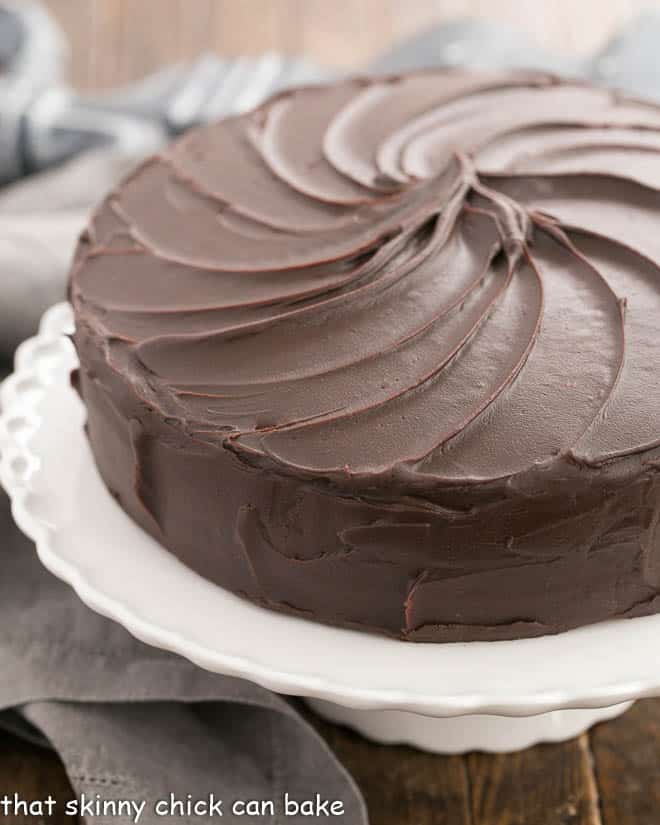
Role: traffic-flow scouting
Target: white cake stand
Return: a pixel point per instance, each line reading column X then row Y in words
column 449, row 698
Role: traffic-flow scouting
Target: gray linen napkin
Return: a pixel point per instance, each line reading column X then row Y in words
column 131, row 722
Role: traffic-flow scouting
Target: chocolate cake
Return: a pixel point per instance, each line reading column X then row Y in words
column 386, row 354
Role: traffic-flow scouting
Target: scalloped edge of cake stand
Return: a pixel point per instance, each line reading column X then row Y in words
column 442, row 714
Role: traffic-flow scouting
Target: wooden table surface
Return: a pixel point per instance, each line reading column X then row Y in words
column 612, row 774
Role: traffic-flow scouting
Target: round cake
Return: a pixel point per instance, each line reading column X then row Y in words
column 386, row 354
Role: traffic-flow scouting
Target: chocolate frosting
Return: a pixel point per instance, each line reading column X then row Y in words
column 412, row 322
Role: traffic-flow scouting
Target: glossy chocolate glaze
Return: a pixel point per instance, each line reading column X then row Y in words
column 386, row 354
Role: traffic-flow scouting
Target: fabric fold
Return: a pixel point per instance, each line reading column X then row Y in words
column 135, row 723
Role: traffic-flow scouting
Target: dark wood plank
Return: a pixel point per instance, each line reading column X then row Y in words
column 350, row 39
column 104, row 45
column 143, row 46
column 627, row 765
column 118, row 40
column 76, row 19
column 33, row 773
column 196, row 32
column 543, row 785
column 403, row 786
column 255, row 26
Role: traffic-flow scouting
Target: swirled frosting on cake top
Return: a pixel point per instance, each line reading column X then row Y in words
column 444, row 277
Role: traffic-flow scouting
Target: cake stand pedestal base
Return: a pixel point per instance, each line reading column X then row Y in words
column 460, row 734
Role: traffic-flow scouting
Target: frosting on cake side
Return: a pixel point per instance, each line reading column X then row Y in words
column 386, row 353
